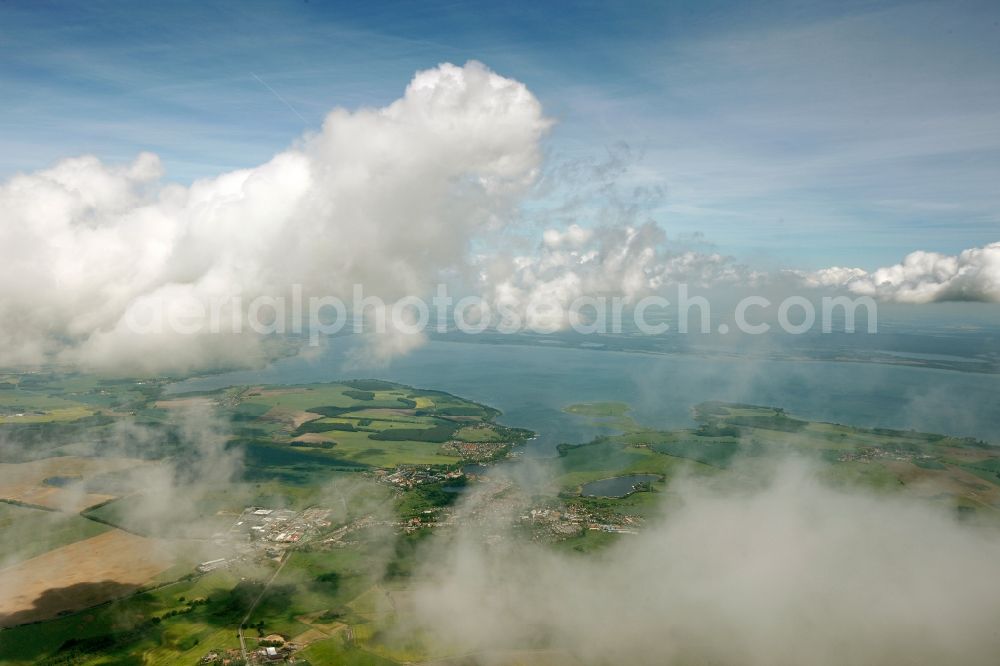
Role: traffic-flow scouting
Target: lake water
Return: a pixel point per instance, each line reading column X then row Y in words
column 618, row 486
column 532, row 384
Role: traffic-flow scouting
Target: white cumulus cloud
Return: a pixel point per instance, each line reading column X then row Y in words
column 385, row 197
column 617, row 261
column 922, row 277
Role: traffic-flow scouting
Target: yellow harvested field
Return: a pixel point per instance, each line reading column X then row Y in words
column 312, row 635
column 952, row 481
column 57, row 414
column 186, row 403
column 25, row 482
column 79, row 575
column 291, row 417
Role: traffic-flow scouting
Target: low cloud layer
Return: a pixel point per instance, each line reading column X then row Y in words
column 793, row 573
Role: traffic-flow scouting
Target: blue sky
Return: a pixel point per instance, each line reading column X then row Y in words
column 786, row 134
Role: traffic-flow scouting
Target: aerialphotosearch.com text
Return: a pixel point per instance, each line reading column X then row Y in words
column 316, row 316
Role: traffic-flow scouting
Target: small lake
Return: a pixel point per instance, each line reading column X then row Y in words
column 618, row 486
column 61, row 481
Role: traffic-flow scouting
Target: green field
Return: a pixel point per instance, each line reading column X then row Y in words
column 936, row 467
column 163, row 623
column 301, row 446
column 360, row 424
column 327, row 445
column 599, row 409
column 28, row 532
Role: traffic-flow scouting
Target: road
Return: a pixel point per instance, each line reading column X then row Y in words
column 246, row 618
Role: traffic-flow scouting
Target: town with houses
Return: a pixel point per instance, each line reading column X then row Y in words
column 270, row 533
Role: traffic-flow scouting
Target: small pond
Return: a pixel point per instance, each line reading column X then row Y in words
column 618, row 486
